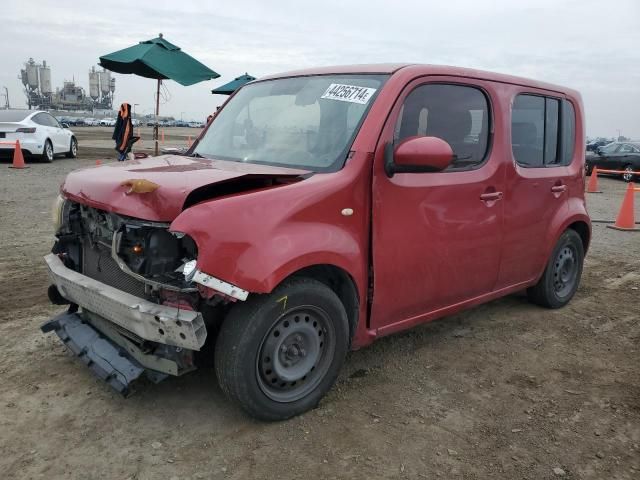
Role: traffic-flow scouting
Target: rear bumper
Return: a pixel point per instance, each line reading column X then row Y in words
column 146, row 320
column 31, row 147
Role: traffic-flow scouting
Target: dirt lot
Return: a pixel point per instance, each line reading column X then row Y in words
column 506, row 390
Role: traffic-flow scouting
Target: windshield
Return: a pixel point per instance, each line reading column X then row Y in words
column 299, row 122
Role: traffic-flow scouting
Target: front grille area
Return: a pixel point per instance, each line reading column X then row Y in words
column 99, row 265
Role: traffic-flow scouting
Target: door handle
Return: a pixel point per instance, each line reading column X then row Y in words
column 491, row 196
column 558, row 188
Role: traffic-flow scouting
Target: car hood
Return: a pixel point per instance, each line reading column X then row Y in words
column 159, row 188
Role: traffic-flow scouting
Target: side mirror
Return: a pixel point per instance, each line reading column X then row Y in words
column 65, row 125
column 417, row 155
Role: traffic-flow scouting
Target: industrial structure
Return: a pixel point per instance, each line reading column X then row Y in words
column 36, row 79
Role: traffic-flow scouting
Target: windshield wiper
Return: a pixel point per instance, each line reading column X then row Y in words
column 197, row 155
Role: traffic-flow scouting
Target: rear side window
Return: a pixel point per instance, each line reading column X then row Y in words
column 542, row 131
column 457, row 114
column 568, row 132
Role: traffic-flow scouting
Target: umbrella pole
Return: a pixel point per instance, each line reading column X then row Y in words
column 155, row 133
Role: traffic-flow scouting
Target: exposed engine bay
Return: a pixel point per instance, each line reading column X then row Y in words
column 140, row 257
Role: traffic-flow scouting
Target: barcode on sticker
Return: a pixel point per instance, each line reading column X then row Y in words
column 348, row 93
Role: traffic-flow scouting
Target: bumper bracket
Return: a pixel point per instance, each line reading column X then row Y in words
column 105, row 359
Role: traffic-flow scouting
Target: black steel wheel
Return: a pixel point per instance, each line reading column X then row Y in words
column 296, row 354
column 278, row 354
column 561, row 276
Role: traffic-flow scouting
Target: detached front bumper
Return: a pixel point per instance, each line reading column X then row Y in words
column 146, row 320
column 104, row 358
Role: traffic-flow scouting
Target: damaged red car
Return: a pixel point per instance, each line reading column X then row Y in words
column 320, row 210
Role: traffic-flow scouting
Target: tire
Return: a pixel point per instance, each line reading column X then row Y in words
column 561, row 277
column 47, row 152
column 588, row 168
column 73, row 148
column 277, row 355
column 628, row 176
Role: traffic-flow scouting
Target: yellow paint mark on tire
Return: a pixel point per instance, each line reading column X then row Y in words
column 284, row 302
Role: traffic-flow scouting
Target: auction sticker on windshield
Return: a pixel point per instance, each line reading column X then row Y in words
column 348, row 93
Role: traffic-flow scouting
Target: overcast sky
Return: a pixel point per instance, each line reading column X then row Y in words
column 590, row 45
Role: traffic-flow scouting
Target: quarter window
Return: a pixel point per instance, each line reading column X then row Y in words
column 542, row 131
column 457, row 114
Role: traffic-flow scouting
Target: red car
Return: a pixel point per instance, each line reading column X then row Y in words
column 320, row 210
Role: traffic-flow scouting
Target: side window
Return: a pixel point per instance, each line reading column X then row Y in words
column 457, row 114
column 527, row 130
column 51, row 121
column 552, row 108
column 542, row 135
column 39, row 119
column 568, row 132
column 611, row 148
column 625, row 148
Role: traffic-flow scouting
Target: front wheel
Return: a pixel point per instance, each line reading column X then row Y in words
column 73, row 148
column 277, row 355
column 561, row 276
column 588, row 168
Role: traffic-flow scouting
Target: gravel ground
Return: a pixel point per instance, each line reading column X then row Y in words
column 506, row 390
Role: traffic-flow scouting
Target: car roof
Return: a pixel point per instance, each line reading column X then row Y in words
column 15, row 115
column 423, row 69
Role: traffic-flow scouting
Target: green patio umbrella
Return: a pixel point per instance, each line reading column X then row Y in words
column 232, row 86
column 159, row 59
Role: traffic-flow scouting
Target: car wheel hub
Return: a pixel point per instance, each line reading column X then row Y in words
column 295, row 354
column 565, row 271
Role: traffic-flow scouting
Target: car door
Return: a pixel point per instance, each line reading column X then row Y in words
column 43, row 130
column 59, row 136
column 608, row 156
column 538, row 181
column 436, row 237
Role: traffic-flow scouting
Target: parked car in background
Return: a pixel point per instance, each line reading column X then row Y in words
column 321, row 210
column 616, row 156
column 39, row 133
column 108, row 122
column 595, row 144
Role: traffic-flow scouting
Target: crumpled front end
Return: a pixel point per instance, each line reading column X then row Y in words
column 131, row 307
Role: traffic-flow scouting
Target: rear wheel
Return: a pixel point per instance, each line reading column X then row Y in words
column 73, row 148
column 47, row 152
column 561, row 277
column 278, row 354
column 628, row 175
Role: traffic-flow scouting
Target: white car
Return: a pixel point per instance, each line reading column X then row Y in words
column 108, row 122
column 39, row 134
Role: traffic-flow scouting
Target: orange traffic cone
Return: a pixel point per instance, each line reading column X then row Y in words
column 626, row 217
column 592, row 186
column 162, row 137
column 98, row 162
column 18, row 158
column 189, row 141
